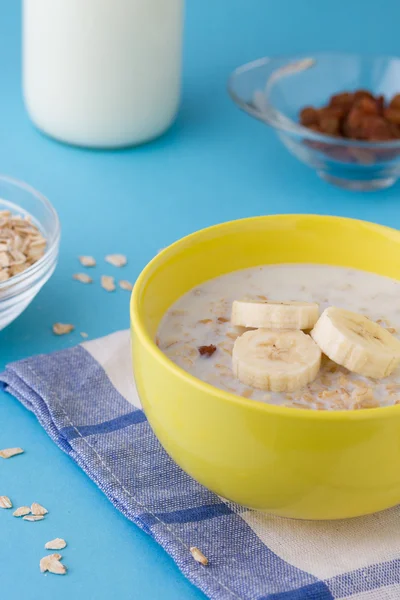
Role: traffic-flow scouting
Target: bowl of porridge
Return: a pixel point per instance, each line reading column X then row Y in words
column 266, row 354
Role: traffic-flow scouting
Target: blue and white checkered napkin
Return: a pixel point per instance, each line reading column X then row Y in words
column 86, row 400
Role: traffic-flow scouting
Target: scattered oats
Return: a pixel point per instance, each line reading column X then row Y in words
column 225, row 347
column 62, row 328
column 82, row 277
column 205, row 321
column 125, row 285
column 359, row 383
column 38, row 509
column 394, row 387
column 56, row 544
column 327, row 393
column 5, row 502
column 33, row 518
column 17, row 257
column 117, row 260
column 391, row 329
column 4, row 275
column 178, row 313
column 57, row 568
column 366, row 402
column 87, row 261
column 16, row 269
column 295, row 404
column 84, row 334
column 9, row 452
column 223, row 320
column 46, row 559
column 21, row 244
column 4, row 259
column 232, row 335
column 52, row 564
column 107, row 283
column 362, row 393
column 198, row 556
column 188, row 362
column 247, row 393
column 22, row 511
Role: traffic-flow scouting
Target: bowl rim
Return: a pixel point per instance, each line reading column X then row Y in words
column 279, row 121
column 56, row 234
column 228, row 397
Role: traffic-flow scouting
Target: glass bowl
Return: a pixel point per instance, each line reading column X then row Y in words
column 18, row 291
column 274, row 90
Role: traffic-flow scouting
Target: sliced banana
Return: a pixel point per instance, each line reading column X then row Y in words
column 357, row 343
column 279, row 361
column 275, row 315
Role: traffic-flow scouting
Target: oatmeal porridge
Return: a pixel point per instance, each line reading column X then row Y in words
column 265, row 334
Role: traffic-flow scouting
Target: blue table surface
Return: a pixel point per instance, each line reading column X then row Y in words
column 214, row 164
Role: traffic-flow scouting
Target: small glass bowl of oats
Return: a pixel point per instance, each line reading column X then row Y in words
column 29, row 242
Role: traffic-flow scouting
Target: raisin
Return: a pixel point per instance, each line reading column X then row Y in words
column 393, row 115
column 352, row 126
column 380, row 103
column 308, row 116
column 207, row 350
column 330, row 125
column 367, row 105
column 395, row 102
column 344, row 100
column 375, row 128
column 362, row 94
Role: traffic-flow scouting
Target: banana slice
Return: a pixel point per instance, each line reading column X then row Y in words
column 357, row 343
column 275, row 315
column 279, row 361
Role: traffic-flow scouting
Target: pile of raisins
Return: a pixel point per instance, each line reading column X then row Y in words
column 356, row 115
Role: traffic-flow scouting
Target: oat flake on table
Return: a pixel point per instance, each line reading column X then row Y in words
column 62, row 328
column 52, row 564
column 82, row 277
column 56, row 544
column 5, row 502
column 126, row 285
column 108, row 283
column 10, row 452
column 87, row 261
column 117, row 260
column 22, row 511
column 38, row 509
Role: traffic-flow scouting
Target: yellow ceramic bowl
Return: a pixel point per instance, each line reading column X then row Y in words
column 290, row 462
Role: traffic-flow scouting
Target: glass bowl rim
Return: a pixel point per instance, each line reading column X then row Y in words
column 56, row 231
column 281, row 122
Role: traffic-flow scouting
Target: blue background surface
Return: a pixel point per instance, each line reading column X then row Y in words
column 215, row 164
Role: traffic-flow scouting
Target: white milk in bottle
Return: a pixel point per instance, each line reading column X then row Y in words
column 102, row 73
